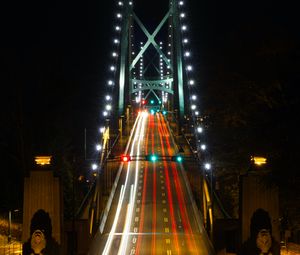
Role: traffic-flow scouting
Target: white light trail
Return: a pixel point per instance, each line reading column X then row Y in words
column 138, row 138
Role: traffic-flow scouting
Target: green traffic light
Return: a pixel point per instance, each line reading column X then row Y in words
column 152, row 101
column 164, row 112
column 179, row 159
column 153, row 158
column 152, row 111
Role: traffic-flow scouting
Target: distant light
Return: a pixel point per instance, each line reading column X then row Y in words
column 102, row 129
column 259, row 161
column 196, row 113
column 203, row 147
column 119, row 15
column 114, row 54
column 130, row 3
column 182, row 15
column 110, row 82
column 194, row 97
column 189, row 68
column 125, row 158
column 187, row 54
column 105, row 113
column 94, row 166
column 108, row 107
column 181, row 3
column 184, row 27
column 107, row 97
column 199, row 129
column 112, row 68
column 207, row 166
column 120, row 3
column 116, row 41
column 191, row 82
column 193, row 107
column 98, row 147
column 43, row 160
column 185, row 40
column 117, row 28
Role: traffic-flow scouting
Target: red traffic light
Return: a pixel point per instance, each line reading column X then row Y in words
column 143, row 102
column 125, row 158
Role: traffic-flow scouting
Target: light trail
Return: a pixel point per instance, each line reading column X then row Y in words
column 170, row 199
column 122, row 194
column 180, row 197
column 153, row 242
column 142, row 215
column 137, row 139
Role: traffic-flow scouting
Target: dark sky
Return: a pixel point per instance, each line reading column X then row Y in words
column 55, row 55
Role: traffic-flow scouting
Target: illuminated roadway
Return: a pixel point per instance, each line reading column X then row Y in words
column 151, row 210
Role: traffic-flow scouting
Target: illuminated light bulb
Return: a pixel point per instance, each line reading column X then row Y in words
column 182, row 15
column 116, row 41
column 207, row 166
column 181, row 3
column 199, row 129
column 98, row 147
column 130, row 3
column 191, row 82
column 119, row 15
column 185, row 40
column 110, row 83
column 118, row 28
column 189, row 68
column 203, row 147
column 193, row 107
column 108, row 107
column 196, row 113
column 105, row 113
column 112, row 68
column 102, row 129
column 107, row 97
column 187, row 54
column 114, row 54
column 194, row 97
column 184, row 27
column 94, row 166
column 120, row 3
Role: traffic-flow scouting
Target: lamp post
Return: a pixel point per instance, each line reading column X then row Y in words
column 9, row 224
column 207, row 167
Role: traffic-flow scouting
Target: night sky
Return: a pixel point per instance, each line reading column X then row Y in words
column 55, row 57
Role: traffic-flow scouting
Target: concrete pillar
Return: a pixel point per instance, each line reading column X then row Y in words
column 42, row 191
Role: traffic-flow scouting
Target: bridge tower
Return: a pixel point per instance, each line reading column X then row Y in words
column 151, row 64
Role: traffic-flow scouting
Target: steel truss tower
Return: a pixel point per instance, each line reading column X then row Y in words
column 162, row 76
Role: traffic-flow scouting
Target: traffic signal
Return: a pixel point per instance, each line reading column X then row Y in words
column 151, row 101
column 151, row 157
column 177, row 158
column 125, row 158
column 143, row 102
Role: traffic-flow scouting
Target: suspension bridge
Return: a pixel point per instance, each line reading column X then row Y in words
column 151, row 101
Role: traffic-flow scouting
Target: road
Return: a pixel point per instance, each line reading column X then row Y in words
column 152, row 211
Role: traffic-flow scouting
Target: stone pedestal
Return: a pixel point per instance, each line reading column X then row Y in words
column 254, row 194
column 42, row 191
